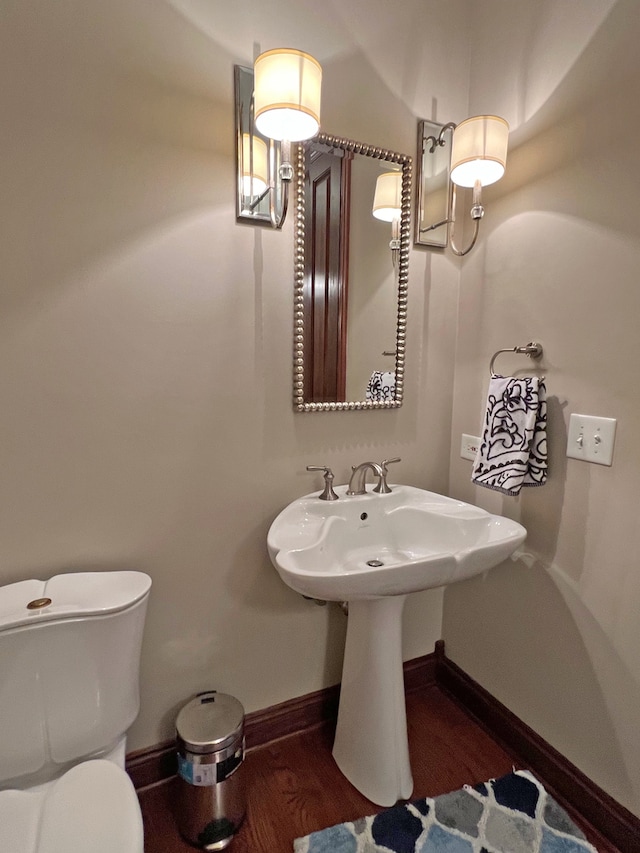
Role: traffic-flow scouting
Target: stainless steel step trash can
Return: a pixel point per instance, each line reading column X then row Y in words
column 211, row 789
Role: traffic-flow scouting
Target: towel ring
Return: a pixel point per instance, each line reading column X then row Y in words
column 533, row 349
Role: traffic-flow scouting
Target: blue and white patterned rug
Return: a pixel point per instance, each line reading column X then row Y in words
column 513, row 814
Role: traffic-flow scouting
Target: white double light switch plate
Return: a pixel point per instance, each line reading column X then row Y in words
column 591, row 439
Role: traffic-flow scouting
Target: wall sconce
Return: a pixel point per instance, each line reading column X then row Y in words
column 477, row 157
column 387, row 206
column 277, row 103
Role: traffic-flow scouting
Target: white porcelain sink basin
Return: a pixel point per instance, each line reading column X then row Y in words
column 372, row 550
column 374, row 545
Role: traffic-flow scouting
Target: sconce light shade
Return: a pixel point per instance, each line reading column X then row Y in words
column 479, row 151
column 287, row 85
column 254, row 165
column 387, row 201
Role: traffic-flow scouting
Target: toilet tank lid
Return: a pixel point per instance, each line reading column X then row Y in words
column 70, row 596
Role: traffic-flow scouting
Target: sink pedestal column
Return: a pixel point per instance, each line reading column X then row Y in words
column 371, row 746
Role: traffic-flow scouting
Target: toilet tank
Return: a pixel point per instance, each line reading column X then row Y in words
column 68, row 669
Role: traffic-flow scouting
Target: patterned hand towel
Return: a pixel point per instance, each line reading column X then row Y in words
column 382, row 385
column 513, row 449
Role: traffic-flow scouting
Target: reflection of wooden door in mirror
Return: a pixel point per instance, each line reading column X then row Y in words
column 327, row 190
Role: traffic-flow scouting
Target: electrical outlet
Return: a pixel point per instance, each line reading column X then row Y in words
column 591, row 439
column 469, row 446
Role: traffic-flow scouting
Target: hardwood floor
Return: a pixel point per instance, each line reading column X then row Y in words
column 295, row 788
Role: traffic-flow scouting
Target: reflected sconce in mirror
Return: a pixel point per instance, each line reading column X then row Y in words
column 277, row 103
column 471, row 154
column 387, row 206
column 254, row 167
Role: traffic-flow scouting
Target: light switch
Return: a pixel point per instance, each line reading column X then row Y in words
column 591, row 439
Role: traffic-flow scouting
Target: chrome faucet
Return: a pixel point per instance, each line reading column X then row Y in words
column 358, row 477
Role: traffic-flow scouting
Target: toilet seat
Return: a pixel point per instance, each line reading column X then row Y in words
column 92, row 807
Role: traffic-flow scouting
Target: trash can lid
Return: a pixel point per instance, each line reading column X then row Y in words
column 210, row 722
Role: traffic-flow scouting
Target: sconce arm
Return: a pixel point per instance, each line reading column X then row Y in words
column 285, row 176
column 277, row 220
column 477, row 212
column 394, row 243
column 257, row 201
column 461, row 252
column 439, row 140
column 435, row 225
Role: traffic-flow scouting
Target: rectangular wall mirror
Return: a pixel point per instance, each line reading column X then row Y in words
column 433, row 186
column 350, row 296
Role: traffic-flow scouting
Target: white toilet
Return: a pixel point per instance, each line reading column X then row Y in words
column 69, row 660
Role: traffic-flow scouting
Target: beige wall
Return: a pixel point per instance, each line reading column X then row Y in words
column 146, row 337
column 145, row 340
column 556, row 635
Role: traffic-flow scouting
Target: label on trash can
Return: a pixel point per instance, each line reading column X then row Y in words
column 205, row 775
column 201, row 775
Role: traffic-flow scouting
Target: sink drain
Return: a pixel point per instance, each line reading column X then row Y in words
column 375, row 564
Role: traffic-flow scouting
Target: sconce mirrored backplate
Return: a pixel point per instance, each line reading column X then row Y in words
column 252, row 200
column 433, row 186
column 350, row 302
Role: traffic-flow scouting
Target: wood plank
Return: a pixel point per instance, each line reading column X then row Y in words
column 294, row 786
column 458, row 734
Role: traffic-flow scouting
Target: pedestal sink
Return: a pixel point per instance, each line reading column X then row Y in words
column 372, row 550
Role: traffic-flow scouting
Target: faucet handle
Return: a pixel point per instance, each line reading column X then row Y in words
column 389, row 462
column 327, row 494
column 382, row 488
